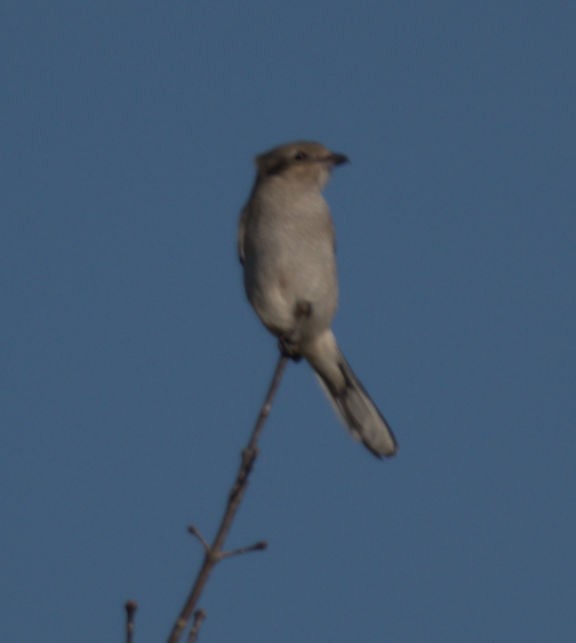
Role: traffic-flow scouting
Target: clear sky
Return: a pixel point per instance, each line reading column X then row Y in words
column 131, row 366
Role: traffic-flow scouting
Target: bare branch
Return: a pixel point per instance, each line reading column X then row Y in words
column 199, row 616
column 130, row 607
column 214, row 553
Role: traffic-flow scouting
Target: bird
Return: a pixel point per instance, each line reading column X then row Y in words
column 286, row 245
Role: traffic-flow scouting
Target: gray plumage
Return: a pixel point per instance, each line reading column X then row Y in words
column 286, row 244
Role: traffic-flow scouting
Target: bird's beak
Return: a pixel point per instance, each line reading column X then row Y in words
column 339, row 159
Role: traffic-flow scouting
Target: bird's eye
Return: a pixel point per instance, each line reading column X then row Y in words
column 300, row 156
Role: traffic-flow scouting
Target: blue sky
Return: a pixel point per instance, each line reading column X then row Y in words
column 132, row 367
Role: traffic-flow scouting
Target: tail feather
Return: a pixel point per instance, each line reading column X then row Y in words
column 351, row 401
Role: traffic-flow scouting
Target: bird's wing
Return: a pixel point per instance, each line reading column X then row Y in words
column 240, row 237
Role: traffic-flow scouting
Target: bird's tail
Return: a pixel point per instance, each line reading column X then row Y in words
column 351, row 402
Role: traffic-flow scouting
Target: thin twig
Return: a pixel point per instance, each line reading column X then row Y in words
column 214, row 553
column 199, row 616
column 130, row 607
column 259, row 546
column 196, row 532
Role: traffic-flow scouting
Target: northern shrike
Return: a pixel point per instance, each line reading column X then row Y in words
column 286, row 244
